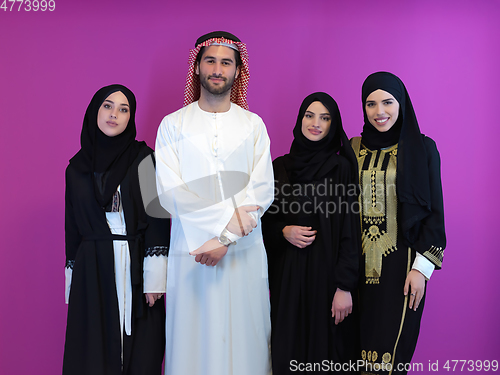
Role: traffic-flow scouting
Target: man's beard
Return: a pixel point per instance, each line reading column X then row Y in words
column 219, row 90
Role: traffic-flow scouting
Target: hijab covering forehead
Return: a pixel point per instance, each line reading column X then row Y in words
column 384, row 81
column 106, row 158
column 311, row 160
column 240, row 85
column 372, row 138
column 91, row 131
column 412, row 182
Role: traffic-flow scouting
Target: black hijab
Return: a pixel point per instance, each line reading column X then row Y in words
column 412, row 182
column 107, row 159
column 312, row 160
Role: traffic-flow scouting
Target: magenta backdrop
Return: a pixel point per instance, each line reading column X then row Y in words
column 51, row 63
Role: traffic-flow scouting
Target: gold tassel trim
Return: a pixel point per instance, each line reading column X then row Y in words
column 435, row 255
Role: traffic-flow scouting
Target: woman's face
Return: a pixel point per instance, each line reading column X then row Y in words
column 114, row 114
column 316, row 122
column 382, row 110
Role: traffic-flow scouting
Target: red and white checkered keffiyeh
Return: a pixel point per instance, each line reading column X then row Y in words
column 240, row 85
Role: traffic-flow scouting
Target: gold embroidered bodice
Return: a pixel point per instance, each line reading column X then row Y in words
column 378, row 201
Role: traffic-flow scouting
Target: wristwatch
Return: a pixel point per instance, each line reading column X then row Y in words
column 224, row 240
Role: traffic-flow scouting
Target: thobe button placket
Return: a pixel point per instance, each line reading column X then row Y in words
column 215, row 147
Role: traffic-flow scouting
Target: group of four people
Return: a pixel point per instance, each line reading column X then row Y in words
column 334, row 216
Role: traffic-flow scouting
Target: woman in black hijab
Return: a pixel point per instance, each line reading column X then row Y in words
column 112, row 329
column 402, row 223
column 311, row 234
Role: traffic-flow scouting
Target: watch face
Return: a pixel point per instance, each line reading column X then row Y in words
column 224, row 240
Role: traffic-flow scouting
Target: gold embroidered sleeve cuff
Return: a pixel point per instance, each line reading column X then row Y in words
column 435, row 255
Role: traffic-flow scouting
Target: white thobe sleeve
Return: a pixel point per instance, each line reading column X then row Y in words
column 260, row 190
column 261, row 183
column 174, row 195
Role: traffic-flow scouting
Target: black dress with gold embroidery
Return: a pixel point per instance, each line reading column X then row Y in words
column 389, row 329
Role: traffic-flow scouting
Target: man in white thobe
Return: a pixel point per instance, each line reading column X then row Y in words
column 214, row 175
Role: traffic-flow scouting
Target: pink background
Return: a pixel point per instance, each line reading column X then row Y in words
column 51, row 63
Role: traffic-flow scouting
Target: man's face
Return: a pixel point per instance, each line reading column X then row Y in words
column 217, row 69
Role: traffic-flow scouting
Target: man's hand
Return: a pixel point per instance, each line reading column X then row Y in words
column 341, row 305
column 415, row 284
column 299, row 236
column 210, row 253
column 241, row 223
column 151, row 298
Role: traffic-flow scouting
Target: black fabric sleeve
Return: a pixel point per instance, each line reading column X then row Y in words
column 273, row 220
column 157, row 236
column 431, row 239
column 73, row 237
column 349, row 251
column 272, row 228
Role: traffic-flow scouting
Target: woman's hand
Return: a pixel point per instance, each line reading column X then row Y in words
column 210, row 253
column 299, row 236
column 341, row 305
column 415, row 284
column 151, row 298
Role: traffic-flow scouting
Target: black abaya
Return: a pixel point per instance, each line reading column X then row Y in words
column 93, row 337
column 303, row 281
